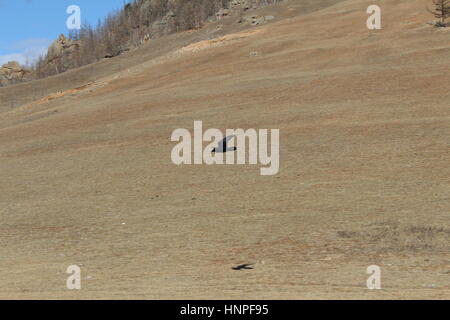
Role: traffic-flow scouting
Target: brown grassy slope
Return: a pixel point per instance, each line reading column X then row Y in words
column 16, row 95
column 364, row 119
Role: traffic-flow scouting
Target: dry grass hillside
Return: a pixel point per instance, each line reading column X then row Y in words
column 364, row 118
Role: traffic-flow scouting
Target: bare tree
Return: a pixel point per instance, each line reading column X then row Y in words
column 441, row 11
column 143, row 19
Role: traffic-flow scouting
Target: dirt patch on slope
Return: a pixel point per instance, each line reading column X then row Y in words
column 206, row 44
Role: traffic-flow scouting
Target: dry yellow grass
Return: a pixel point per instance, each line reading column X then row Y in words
column 207, row 44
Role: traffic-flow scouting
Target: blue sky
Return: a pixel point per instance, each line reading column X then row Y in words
column 27, row 27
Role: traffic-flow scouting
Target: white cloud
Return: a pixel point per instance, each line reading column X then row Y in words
column 30, row 43
column 26, row 51
column 19, row 57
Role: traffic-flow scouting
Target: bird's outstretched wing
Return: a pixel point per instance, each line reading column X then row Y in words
column 246, row 266
column 223, row 144
column 222, row 147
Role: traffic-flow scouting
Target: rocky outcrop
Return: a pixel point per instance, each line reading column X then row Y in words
column 255, row 20
column 164, row 25
column 223, row 13
column 236, row 7
column 240, row 8
column 12, row 72
column 60, row 48
column 62, row 55
column 243, row 4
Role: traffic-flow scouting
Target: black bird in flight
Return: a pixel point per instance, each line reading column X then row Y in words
column 222, row 147
column 243, row 267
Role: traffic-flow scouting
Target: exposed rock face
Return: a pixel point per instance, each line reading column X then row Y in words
column 240, row 7
column 243, row 4
column 164, row 25
column 62, row 55
column 256, row 20
column 222, row 13
column 60, row 48
column 12, row 72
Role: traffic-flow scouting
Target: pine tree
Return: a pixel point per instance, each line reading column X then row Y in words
column 441, row 11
